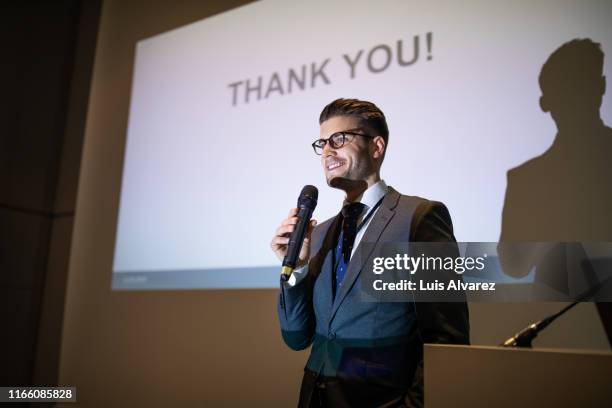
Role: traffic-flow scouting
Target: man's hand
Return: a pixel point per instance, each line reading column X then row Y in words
column 280, row 241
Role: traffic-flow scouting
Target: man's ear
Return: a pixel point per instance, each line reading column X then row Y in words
column 380, row 146
column 544, row 104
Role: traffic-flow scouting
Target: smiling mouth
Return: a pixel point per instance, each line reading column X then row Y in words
column 334, row 165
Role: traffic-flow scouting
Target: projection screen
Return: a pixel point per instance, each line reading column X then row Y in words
column 223, row 112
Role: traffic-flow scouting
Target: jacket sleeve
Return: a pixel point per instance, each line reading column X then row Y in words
column 437, row 322
column 296, row 314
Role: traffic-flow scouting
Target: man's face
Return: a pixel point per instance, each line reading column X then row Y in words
column 351, row 162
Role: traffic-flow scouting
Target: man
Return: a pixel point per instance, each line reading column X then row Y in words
column 364, row 354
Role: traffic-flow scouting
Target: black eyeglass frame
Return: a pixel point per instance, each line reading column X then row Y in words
column 333, row 144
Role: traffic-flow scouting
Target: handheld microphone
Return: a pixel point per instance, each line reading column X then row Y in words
column 306, row 203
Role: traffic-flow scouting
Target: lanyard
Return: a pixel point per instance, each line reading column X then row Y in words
column 370, row 214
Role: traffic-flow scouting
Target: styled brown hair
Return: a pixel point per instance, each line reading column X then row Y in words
column 370, row 117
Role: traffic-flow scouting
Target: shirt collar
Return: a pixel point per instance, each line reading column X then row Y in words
column 373, row 194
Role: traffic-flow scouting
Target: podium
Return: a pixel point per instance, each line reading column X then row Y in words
column 473, row 376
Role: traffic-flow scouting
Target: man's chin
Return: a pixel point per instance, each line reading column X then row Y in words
column 346, row 184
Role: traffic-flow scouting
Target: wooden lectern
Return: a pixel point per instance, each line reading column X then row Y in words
column 473, row 376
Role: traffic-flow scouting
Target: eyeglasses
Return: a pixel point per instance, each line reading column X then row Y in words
column 336, row 141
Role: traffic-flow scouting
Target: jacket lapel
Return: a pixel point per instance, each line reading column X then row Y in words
column 378, row 224
column 322, row 261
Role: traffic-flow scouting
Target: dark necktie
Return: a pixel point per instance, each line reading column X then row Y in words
column 346, row 240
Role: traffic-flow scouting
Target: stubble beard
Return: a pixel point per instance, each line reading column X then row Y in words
column 353, row 181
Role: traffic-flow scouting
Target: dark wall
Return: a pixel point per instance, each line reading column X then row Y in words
column 47, row 58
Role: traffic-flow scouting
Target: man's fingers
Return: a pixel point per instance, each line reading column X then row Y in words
column 288, row 226
column 290, row 221
column 279, row 242
column 281, row 239
column 284, row 229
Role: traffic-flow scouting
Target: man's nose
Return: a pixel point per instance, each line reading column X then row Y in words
column 327, row 149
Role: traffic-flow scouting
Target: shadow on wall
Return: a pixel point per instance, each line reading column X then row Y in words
column 564, row 195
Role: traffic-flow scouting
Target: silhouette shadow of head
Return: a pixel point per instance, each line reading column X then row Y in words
column 572, row 84
column 565, row 194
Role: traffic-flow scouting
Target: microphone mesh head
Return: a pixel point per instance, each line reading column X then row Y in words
column 308, row 197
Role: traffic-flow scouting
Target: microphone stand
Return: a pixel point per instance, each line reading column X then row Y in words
column 526, row 336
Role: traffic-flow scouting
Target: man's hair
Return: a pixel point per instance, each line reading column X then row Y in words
column 370, row 117
column 573, row 64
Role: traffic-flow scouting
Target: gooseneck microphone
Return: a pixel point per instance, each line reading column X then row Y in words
column 307, row 201
column 526, row 336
